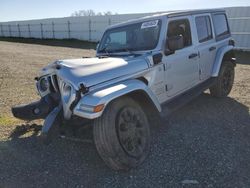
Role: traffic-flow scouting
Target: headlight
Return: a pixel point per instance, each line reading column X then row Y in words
column 44, row 84
column 66, row 92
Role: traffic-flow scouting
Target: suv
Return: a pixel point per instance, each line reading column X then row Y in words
column 143, row 68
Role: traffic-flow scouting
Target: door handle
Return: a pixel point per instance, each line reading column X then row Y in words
column 191, row 56
column 212, row 48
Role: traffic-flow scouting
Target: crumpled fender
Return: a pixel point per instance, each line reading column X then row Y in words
column 107, row 94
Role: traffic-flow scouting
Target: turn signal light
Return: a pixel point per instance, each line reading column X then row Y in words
column 98, row 108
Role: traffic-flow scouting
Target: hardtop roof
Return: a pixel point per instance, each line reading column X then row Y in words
column 191, row 12
column 169, row 14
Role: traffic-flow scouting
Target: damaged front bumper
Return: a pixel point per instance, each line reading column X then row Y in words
column 51, row 109
column 47, row 108
column 36, row 110
column 59, row 102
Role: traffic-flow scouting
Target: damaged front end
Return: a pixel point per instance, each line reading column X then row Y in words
column 35, row 110
column 77, row 88
column 58, row 99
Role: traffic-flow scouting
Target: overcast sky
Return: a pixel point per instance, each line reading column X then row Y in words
column 11, row 10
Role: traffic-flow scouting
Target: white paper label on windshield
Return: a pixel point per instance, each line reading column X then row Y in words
column 149, row 24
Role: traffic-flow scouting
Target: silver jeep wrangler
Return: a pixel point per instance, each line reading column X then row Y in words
column 143, row 69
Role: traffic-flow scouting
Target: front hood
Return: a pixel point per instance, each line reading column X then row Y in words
column 92, row 71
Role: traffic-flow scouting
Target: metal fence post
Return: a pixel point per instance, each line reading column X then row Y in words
column 2, row 34
column 41, row 30
column 68, row 29
column 10, row 30
column 53, row 30
column 29, row 30
column 89, row 29
column 19, row 32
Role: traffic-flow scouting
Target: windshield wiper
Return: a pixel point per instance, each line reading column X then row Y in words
column 129, row 50
column 108, row 52
column 104, row 50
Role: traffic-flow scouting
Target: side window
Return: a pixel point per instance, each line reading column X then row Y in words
column 220, row 25
column 180, row 27
column 204, row 30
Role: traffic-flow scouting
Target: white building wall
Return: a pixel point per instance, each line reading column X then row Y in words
column 239, row 21
column 92, row 28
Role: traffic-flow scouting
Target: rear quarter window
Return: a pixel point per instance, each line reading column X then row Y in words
column 221, row 26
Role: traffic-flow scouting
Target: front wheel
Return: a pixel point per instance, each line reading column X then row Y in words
column 224, row 82
column 122, row 134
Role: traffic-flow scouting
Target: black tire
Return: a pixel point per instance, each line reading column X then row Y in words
column 122, row 134
column 225, row 80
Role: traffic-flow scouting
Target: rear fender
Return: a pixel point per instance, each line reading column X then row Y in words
column 219, row 58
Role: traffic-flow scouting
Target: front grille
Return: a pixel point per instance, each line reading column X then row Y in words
column 66, row 100
column 54, row 83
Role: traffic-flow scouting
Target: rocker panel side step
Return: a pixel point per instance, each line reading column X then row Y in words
column 178, row 101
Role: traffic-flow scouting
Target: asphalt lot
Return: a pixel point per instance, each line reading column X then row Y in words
column 204, row 144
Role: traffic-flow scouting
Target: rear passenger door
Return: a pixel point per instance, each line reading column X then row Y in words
column 206, row 44
column 221, row 29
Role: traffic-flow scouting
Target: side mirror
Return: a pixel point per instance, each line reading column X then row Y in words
column 174, row 43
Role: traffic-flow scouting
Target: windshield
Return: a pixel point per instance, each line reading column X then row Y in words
column 134, row 37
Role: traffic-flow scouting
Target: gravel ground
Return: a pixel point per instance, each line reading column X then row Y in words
column 204, row 144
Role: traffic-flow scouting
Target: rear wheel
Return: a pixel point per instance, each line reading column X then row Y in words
column 122, row 134
column 225, row 80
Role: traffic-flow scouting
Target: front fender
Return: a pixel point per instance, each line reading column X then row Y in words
column 218, row 60
column 85, row 106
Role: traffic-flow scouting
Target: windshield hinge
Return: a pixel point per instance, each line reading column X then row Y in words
column 83, row 89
